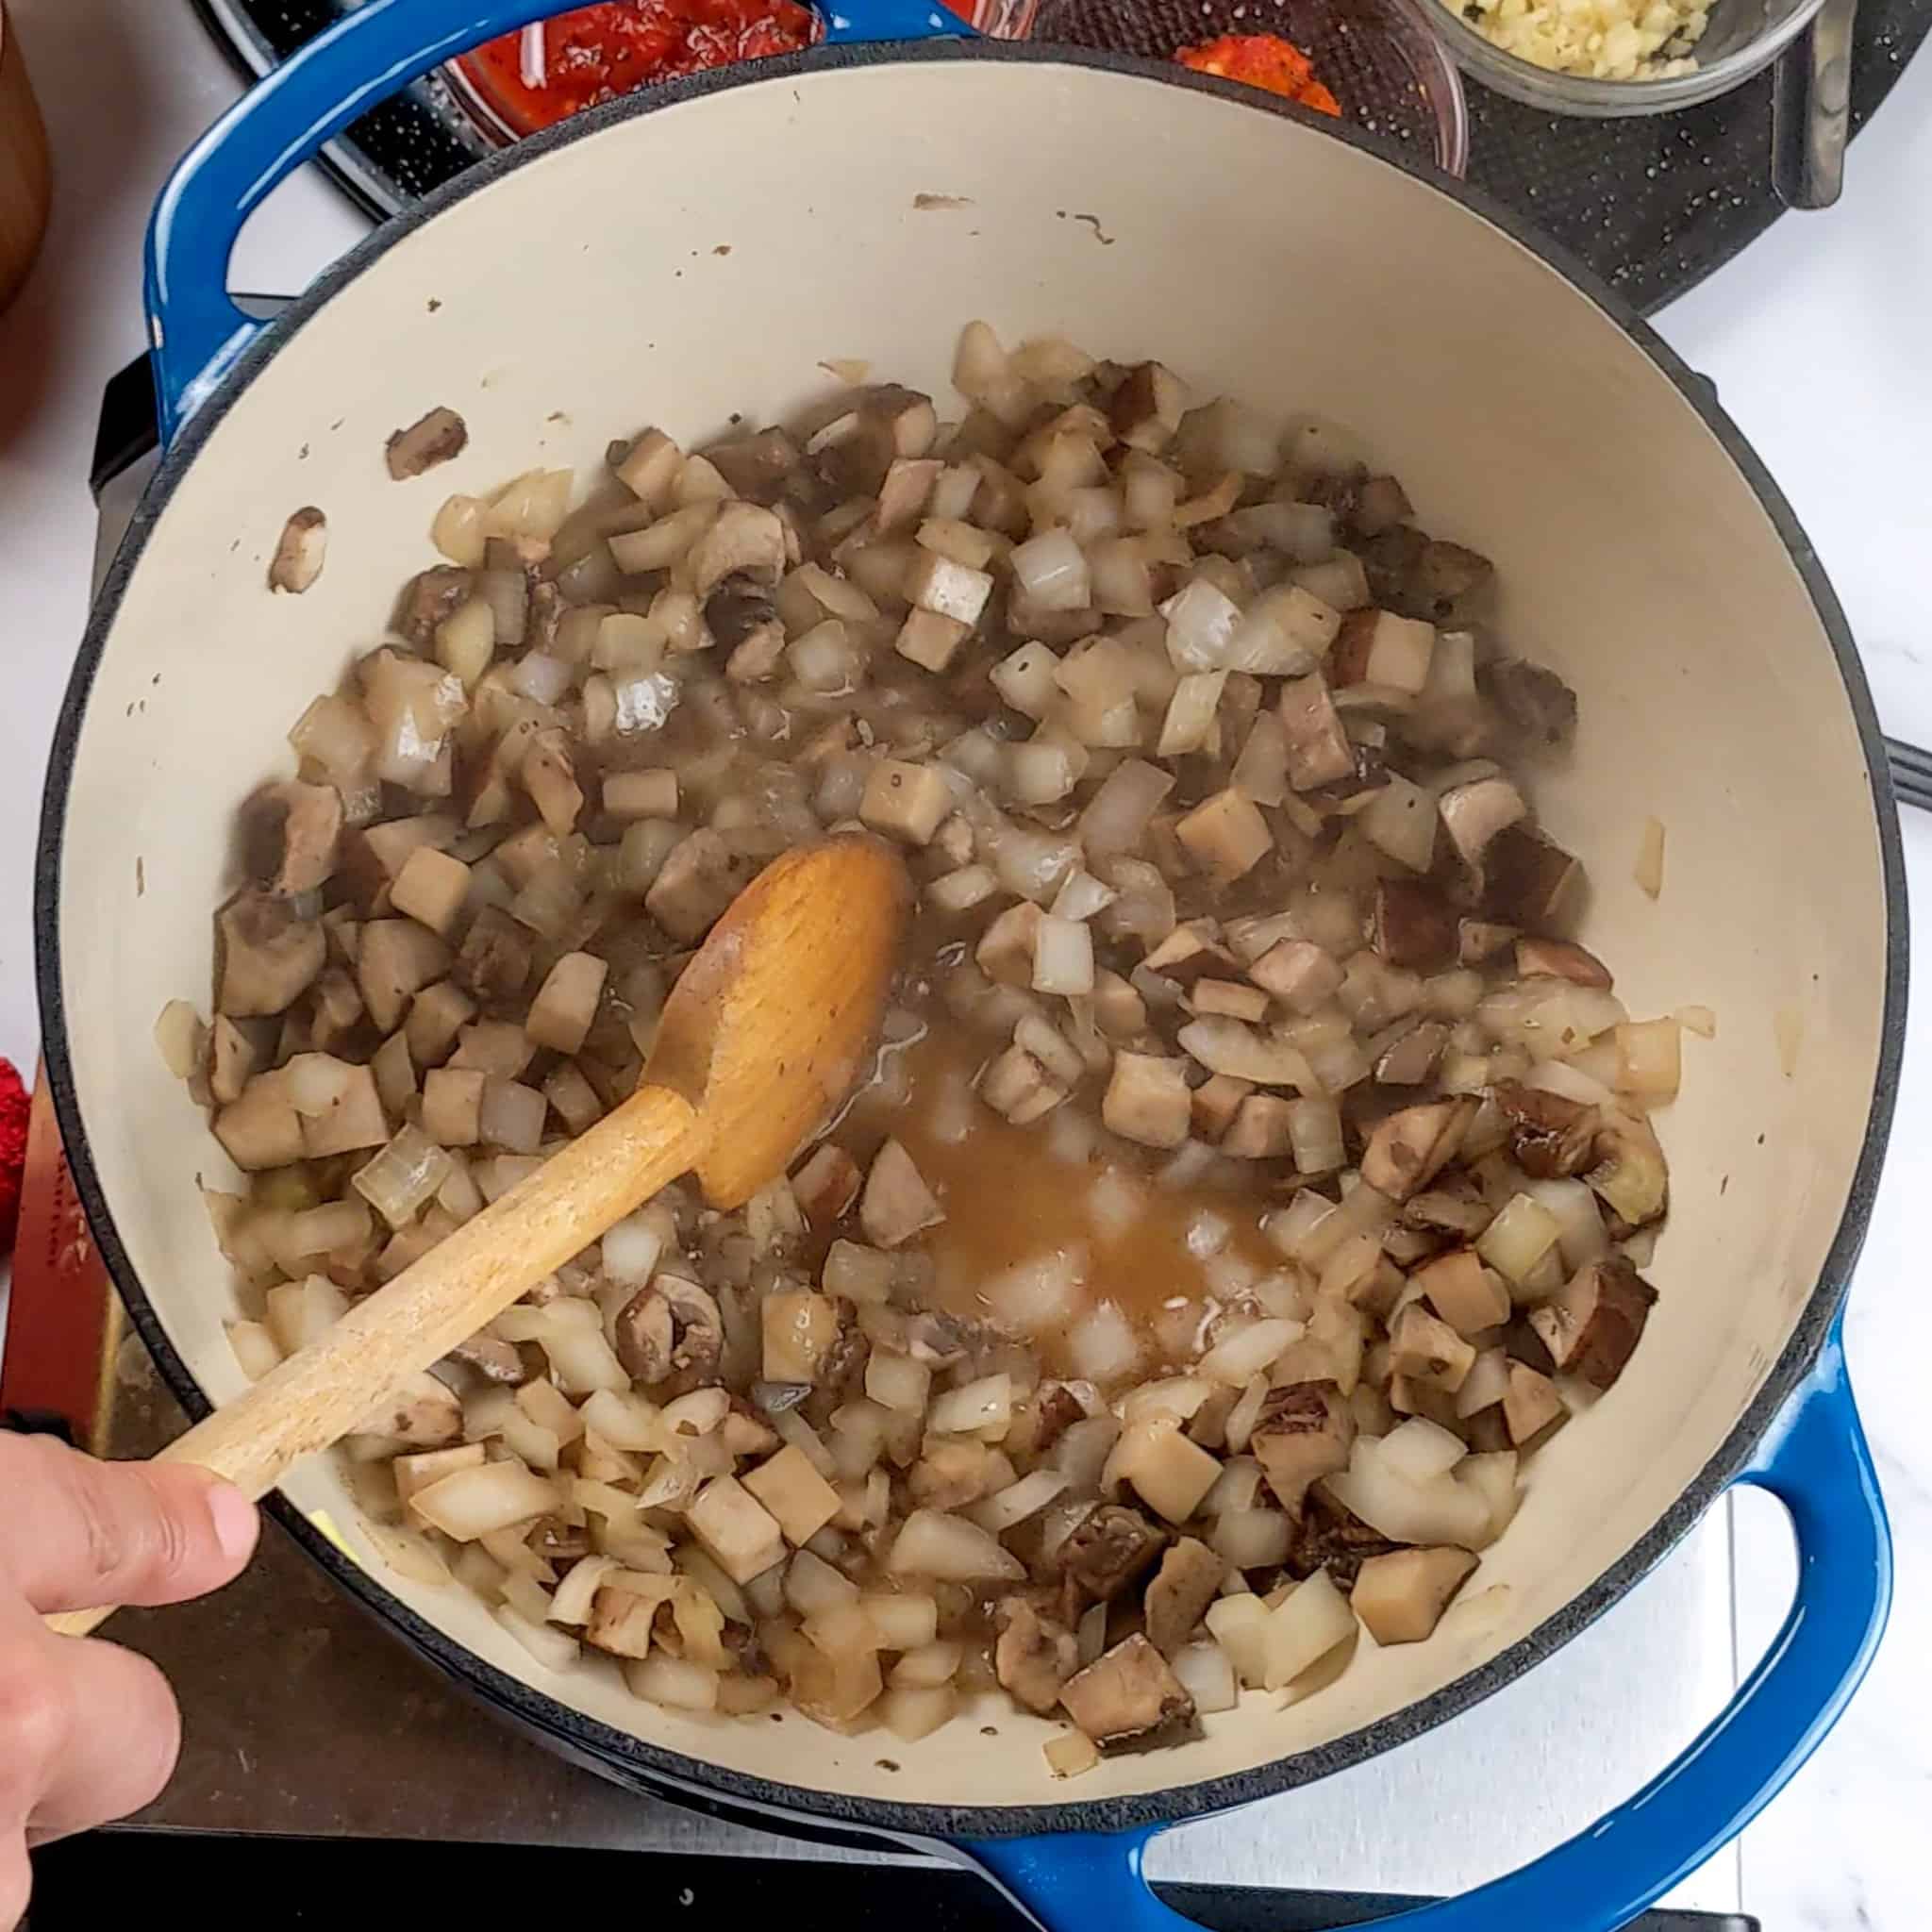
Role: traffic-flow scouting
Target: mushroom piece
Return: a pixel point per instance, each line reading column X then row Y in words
column 737, row 1531
column 270, row 957
column 1413, row 925
column 1318, row 751
column 1108, row 1549
column 493, row 961
column 1629, row 1175
column 1128, row 1699
column 1226, row 836
column 1562, row 959
column 291, row 830
column 1410, row 1059
column 897, row 1204
column 1305, row 1431
column 1400, row 1597
column 1550, row 1137
column 1334, row 1538
column 1468, row 1296
column 1445, row 577
column 1530, row 1405
column 1188, row 1581
column 756, row 466
column 430, row 599
column 1299, row 974
column 424, row 1413
column 1425, row 1350
column 1593, row 1326
column 1147, row 1100
column 673, row 1327
column 1477, row 939
column 1032, row 1656
column 301, row 553
column 739, row 610
column 828, row 1185
column 1528, row 878
column 746, row 540
column 1409, row 1148
column 801, row 1333
column 493, row 1358
column 1146, row 410
column 1473, row 814
column 1535, row 703
column 429, row 441
column 697, row 881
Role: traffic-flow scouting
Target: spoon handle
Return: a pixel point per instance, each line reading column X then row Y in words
column 321, row 1394
column 1811, row 109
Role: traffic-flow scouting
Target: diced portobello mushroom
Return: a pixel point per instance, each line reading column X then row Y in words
column 1147, row 409
column 291, row 830
column 1477, row 939
column 1147, row 1100
column 1591, row 1326
column 828, row 1185
column 1414, row 926
column 424, row 1413
column 897, row 1204
column 670, row 1327
column 746, row 539
column 1401, row 1597
column 799, row 1499
column 1226, row 836
column 1409, row 1148
column 301, row 551
column 429, row 441
column 1530, row 1405
column 739, row 1533
column 754, row 466
column 801, row 1333
column 1299, row 974
column 1561, row 960
column 1033, row 1657
column 494, row 1359
column 1427, row 1350
column 493, row 961
column 1188, row 1581
column 1318, row 751
column 698, row 880
column 269, row 955
column 1467, row 1296
column 1005, row 949
column 905, row 802
column 430, row 599
column 396, row 959
column 1128, row 1699
column 1333, row 1539
column 1215, row 1103
column 1528, row 880
column 431, row 888
column 1108, row 1549
column 621, row 1620
column 1550, row 1136
column 1304, row 1432
column 1533, row 701
column 1410, row 1059
column 1262, row 1129
column 1629, row 1176
column 1378, row 647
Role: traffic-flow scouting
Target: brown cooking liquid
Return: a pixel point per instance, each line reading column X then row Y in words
column 1012, row 1195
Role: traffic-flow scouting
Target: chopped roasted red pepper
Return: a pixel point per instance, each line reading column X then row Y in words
column 1263, row 60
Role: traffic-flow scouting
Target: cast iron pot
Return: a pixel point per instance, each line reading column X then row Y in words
column 698, row 250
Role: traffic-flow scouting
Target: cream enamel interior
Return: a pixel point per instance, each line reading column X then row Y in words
column 700, row 260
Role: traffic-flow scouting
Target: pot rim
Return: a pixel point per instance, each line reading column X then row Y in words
column 693, row 1781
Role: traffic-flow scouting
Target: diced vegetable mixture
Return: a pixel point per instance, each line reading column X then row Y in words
column 1254, row 1173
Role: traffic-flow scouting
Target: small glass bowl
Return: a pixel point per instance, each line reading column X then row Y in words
column 1382, row 59
column 1744, row 37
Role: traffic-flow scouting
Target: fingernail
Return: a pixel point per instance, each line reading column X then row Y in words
column 234, row 1520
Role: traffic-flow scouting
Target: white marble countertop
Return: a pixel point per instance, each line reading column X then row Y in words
column 1816, row 340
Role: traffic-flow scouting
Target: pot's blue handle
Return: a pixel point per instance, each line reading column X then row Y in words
column 195, row 327
column 1815, row 1461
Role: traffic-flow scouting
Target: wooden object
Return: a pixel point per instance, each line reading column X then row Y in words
column 766, row 1032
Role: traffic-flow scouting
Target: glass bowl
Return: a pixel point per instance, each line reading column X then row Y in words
column 1744, row 37
column 1383, row 58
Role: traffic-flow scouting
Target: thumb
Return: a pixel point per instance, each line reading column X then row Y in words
column 75, row 1534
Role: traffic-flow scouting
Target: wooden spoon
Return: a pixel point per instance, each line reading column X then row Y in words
column 765, row 1034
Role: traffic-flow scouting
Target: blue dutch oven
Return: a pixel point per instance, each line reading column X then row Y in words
column 698, row 249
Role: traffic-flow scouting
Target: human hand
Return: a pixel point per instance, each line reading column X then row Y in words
column 90, row 1731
